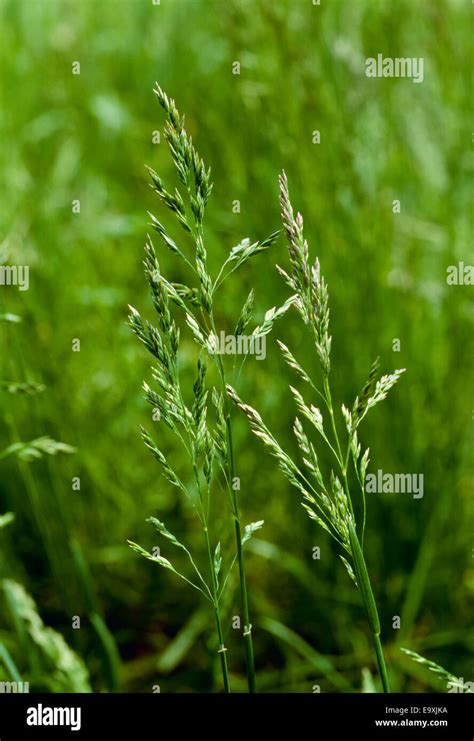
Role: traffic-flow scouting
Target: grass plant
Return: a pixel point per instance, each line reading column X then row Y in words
column 328, row 500
column 205, row 434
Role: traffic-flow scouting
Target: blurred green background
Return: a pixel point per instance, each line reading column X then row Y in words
column 87, row 137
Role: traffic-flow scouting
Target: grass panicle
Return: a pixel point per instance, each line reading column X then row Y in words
column 454, row 683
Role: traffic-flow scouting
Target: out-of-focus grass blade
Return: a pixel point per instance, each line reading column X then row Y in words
column 178, row 648
column 9, row 664
column 368, row 685
column 321, row 663
column 111, row 656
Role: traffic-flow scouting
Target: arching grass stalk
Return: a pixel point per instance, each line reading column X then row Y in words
column 328, row 502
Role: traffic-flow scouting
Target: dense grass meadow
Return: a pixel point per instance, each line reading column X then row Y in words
column 79, row 609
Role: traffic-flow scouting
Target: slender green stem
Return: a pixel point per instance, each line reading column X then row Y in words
column 243, row 581
column 361, row 484
column 365, row 588
column 342, row 464
column 222, row 650
column 327, row 391
column 381, row 663
column 360, row 567
column 238, row 534
column 235, row 511
column 215, row 601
